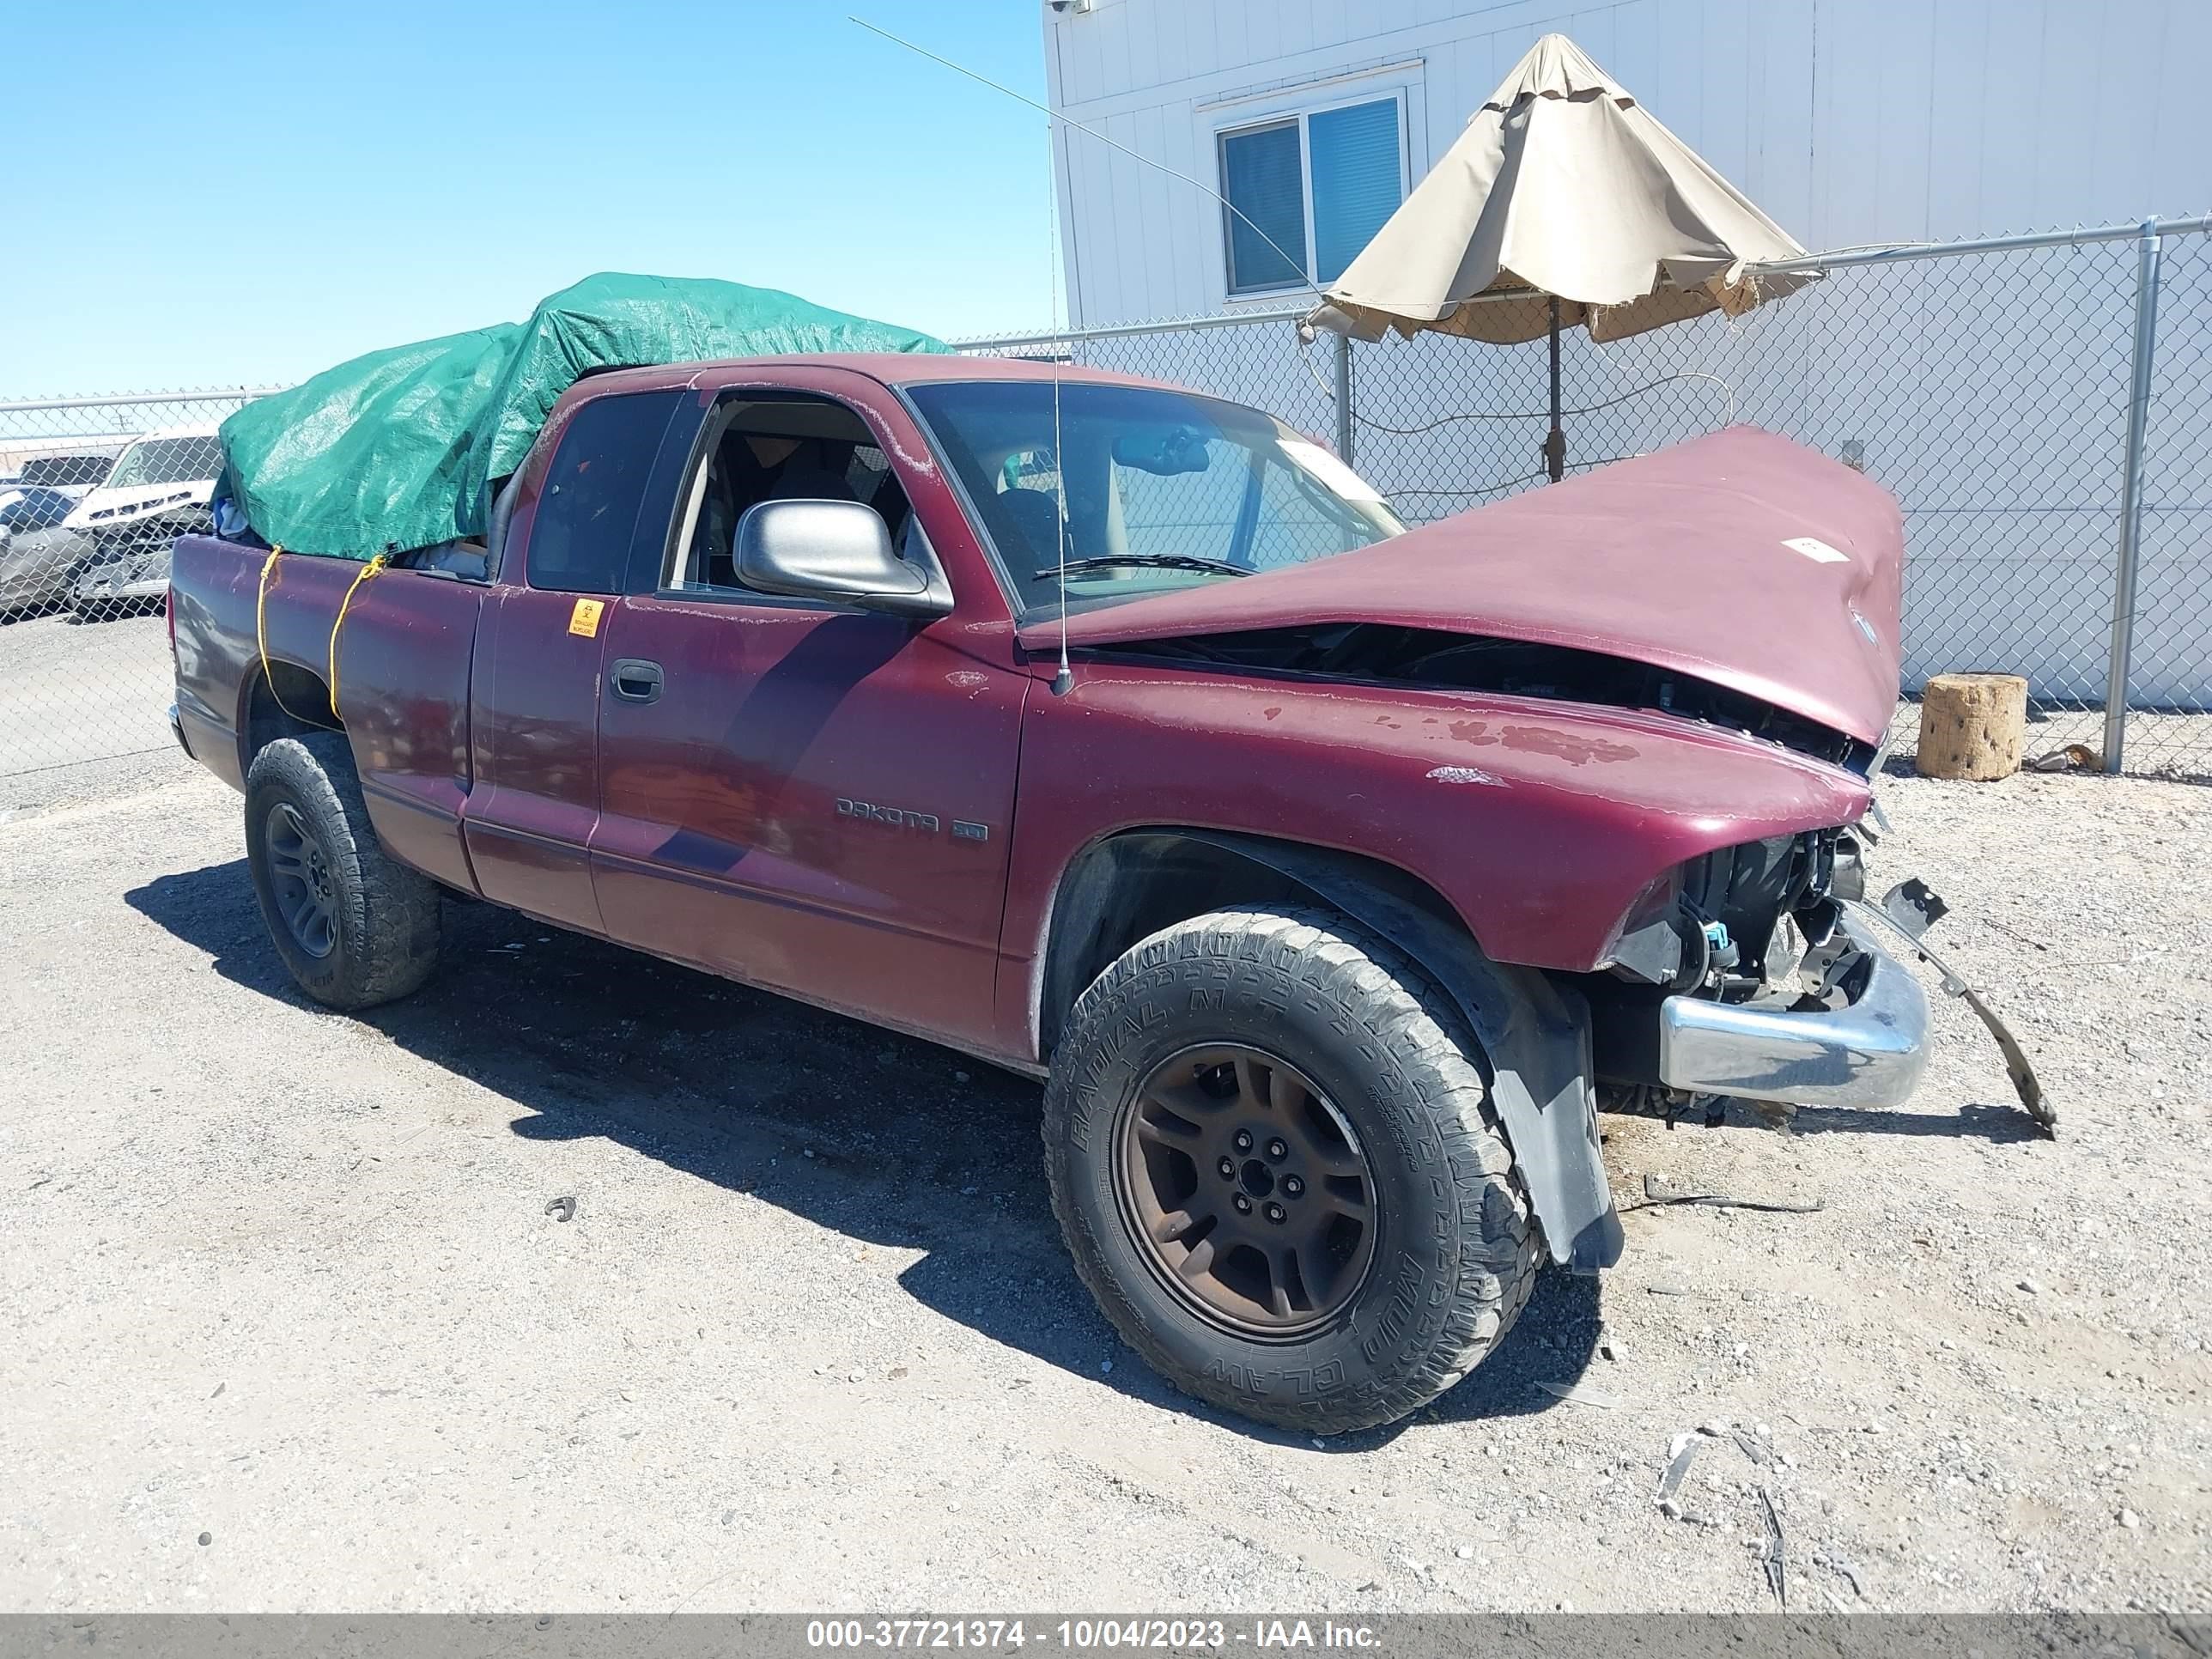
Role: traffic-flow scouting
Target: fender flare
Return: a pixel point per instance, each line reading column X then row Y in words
column 1534, row 1033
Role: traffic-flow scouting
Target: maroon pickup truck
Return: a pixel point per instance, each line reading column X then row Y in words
column 1333, row 875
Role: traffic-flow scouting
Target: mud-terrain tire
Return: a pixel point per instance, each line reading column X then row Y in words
column 323, row 881
column 1377, row 1065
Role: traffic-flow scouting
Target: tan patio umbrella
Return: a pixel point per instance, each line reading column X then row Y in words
column 1563, row 203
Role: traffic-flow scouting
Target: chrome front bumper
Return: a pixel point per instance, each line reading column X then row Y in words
column 1869, row 1053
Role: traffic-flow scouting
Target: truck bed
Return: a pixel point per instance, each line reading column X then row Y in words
column 402, row 675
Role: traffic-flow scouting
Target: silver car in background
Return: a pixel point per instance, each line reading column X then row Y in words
column 42, row 558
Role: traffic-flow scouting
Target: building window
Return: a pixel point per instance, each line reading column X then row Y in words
column 1308, row 191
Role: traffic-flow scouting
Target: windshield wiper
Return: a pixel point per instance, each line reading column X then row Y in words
column 1149, row 561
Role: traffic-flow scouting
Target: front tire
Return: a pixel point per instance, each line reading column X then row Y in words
column 354, row 928
column 1289, row 1089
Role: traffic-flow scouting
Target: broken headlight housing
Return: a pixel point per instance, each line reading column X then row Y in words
column 1738, row 922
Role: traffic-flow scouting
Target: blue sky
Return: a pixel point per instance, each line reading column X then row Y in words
column 242, row 191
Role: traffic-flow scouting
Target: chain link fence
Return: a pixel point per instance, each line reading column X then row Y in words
column 2170, row 663
column 1996, row 388
column 1988, row 392
column 93, row 491
column 1988, row 386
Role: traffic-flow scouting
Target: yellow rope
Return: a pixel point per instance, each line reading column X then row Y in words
column 372, row 568
column 261, row 631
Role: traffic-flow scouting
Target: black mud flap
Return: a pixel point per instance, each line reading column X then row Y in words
column 1908, row 910
column 1535, row 1034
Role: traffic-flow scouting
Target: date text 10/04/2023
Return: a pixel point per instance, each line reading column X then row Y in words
column 1083, row 1635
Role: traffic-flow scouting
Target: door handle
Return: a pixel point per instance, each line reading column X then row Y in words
column 635, row 680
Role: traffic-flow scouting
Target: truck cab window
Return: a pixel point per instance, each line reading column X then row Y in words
column 593, row 501
column 788, row 448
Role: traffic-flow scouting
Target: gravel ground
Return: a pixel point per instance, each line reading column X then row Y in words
column 291, row 1326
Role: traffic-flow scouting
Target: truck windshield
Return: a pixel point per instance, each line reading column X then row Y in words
column 1162, row 489
column 167, row 460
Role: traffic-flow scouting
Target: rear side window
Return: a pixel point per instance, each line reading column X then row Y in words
column 596, row 494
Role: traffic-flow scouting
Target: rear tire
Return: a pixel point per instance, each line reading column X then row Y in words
column 1178, row 1065
column 354, row 928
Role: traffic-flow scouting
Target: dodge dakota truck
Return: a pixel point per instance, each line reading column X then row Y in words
column 1331, row 874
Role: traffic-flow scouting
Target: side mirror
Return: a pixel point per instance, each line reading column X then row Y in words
column 836, row 550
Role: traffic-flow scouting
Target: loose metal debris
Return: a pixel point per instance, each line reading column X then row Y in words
column 1774, row 1556
column 1658, row 1191
column 1681, row 1454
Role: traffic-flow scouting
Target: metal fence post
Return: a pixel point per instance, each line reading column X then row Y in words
column 1344, row 417
column 2123, row 581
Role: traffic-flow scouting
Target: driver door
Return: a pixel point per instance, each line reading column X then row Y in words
column 809, row 796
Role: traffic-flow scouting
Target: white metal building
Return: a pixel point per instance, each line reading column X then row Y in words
column 1990, row 394
column 1849, row 121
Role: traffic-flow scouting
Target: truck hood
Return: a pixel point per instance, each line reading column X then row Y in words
column 1741, row 559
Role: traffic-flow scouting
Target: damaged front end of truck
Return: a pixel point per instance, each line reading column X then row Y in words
column 1762, row 972
column 1697, row 643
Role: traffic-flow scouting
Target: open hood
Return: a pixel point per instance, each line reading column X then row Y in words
column 1741, row 559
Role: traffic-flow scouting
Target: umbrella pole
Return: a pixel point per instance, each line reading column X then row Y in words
column 1555, row 446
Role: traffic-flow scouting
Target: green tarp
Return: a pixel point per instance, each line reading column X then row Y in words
column 398, row 449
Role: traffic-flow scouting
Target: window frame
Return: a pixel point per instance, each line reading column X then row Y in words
column 690, row 497
column 1010, row 587
column 1302, row 115
column 540, row 467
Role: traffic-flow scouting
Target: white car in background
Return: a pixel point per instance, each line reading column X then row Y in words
column 159, row 490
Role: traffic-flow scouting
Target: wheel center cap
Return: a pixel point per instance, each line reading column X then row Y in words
column 1257, row 1178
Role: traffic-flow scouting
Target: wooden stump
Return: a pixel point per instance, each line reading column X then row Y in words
column 1973, row 725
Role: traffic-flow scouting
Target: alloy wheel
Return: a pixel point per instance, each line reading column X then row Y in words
column 1246, row 1191
column 300, row 880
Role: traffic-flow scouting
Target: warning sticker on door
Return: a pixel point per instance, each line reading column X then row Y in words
column 1815, row 549
column 584, row 619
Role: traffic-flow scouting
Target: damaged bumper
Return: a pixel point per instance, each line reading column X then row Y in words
column 1870, row 1051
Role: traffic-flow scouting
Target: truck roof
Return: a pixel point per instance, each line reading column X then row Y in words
column 890, row 367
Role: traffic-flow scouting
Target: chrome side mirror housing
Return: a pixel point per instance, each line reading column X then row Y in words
column 838, row 551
